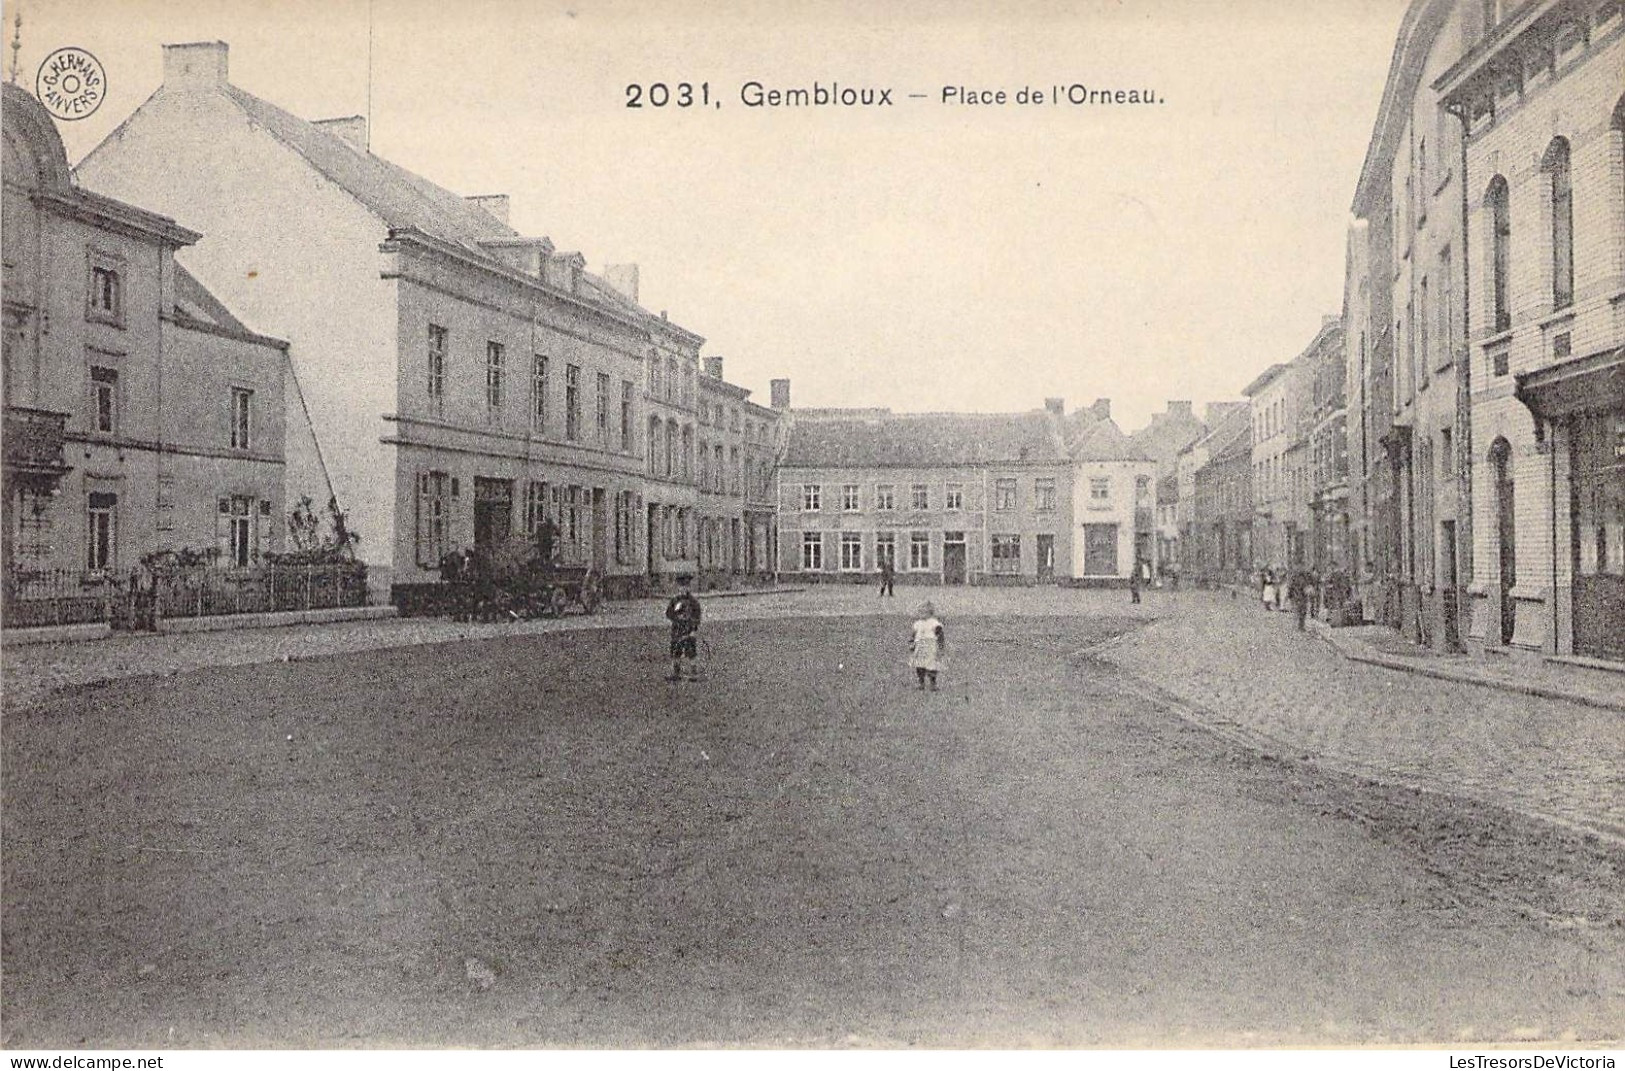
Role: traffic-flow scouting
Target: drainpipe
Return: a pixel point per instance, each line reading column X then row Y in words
column 1464, row 392
column 1551, row 452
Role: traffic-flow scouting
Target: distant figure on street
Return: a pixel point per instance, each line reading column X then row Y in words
column 927, row 647
column 1134, row 583
column 887, row 576
column 683, row 611
column 1298, row 595
column 1268, row 589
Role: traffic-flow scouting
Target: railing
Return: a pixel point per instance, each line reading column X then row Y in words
column 39, row 597
column 207, row 591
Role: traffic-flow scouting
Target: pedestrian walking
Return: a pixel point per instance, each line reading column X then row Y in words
column 1266, row 587
column 1298, row 595
column 1134, row 584
column 927, row 647
column 683, row 611
column 887, row 576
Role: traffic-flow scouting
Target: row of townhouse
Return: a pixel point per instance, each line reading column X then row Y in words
column 1485, row 351
column 961, row 498
column 464, row 384
column 140, row 415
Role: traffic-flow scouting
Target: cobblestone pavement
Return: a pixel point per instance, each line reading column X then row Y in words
column 1249, row 673
column 1235, row 668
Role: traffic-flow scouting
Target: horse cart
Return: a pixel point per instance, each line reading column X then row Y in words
column 515, row 582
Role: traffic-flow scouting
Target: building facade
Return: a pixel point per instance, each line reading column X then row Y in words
column 467, row 384
column 948, row 498
column 1539, row 91
column 1222, row 515
column 1328, row 455
column 1114, row 498
column 140, row 415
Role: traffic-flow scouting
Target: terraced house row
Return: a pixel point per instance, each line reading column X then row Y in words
column 462, row 383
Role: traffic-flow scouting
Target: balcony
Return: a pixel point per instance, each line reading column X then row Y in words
column 33, row 447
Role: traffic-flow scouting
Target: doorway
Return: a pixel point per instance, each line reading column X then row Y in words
column 1046, row 556
column 953, row 557
column 1506, row 536
column 493, row 511
column 1100, row 550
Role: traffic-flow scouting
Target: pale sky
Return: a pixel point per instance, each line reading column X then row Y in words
column 922, row 256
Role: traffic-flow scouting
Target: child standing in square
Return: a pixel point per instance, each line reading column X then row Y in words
column 927, row 647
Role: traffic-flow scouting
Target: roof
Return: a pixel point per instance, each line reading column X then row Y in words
column 397, row 196
column 1233, row 431
column 1264, row 379
column 196, row 307
column 924, row 440
column 1104, row 441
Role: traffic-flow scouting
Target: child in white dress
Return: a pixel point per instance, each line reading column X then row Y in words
column 927, row 646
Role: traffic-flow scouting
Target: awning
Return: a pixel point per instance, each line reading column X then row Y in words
column 1585, row 383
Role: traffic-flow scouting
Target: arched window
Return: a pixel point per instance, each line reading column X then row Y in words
column 1556, row 168
column 1498, row 201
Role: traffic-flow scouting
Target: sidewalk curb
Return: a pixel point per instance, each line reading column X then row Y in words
column 1533, row 690
column 27, row 637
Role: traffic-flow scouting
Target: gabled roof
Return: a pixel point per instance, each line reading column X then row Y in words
column 397, row 196
column 196, row 307
column 1104, row 441
column 1231, row 437
column 924, row 440
column 1264, row 379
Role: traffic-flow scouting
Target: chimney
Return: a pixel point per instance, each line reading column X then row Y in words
column 1055, row 405
column 350, row 128
column 713, row 367
column 1102, row 408
column 1180, row 409
column 781, row 393
column 494, row 203
column 624, row 279
column 196, row 65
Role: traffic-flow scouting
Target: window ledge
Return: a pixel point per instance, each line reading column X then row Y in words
column 1559, row 318
column 1497, row 339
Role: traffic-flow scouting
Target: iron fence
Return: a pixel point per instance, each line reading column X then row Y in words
column 37, row 597
column 207, row 591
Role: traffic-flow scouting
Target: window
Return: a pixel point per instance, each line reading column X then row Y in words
column 885, row 548
column 102, row 541
column 237, row 514
column 671, row 377
column 105, row 300
column 953, row 498
column 1100, row 488
column 437, row 362
column 919, row 550
column 687, row 458
column 851, row 552
column 654, row 446
column 242, row 409
column 1556, row 167
column 1499, row 201
column 733, row 470
column 1006, row 554
column 104, row 401
column 884, row 497
column 1447, row 312
column 626, row 416
column 603, row 410
column 535, row 507
column 849, row 498
column 811, row 497
column 670, row 440
column 919, row 497
column 654, row 377
column 1004, row 494
column 1044, row 493
column 433, row 512
column 1447, row 453
column 493, row 376
column 572, row 402
column 812, row 550
column 538, row 392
